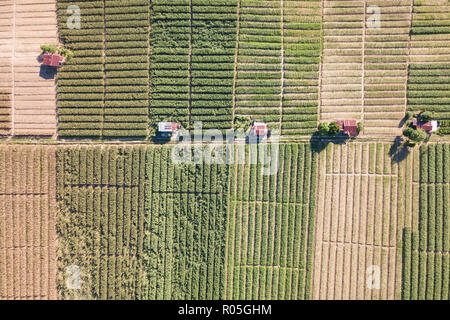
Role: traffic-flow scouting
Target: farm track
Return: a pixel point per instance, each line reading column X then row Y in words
column 27, row 222
column 28, row 25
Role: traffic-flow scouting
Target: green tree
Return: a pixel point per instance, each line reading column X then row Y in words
column 334, row 128
column 48, row 48
column 418, row 135
column 426, row 116
column 359, row 127
column 324, row 129
column 408, row 132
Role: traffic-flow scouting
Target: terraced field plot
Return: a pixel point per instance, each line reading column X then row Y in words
column 271, row 227
column 27, row 222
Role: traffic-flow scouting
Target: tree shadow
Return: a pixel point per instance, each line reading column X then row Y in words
column 403, row 121
column 398, row 151
column 160, row 140
column 47, row 73
column 319, row 143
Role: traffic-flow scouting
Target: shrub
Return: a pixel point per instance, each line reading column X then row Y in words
column 409, row 115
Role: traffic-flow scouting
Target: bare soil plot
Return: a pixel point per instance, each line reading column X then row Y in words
column 27, row 222
column 364, row 68
column 27, row 25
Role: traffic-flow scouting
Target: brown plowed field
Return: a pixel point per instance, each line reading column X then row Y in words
column 364, row 201
column 27, row 222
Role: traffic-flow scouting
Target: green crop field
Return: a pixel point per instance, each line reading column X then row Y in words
column 289, row 63
column 426, row 248
column 271, row 227
column 140, row 227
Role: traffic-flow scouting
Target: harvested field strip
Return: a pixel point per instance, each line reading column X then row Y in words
column 363, row 200
column 429, row 81
column 365, row 63
column 270, row 226
column 342, row 62
column 27, row 222
column 426, row 245
column 385, row 100
column 34, row 89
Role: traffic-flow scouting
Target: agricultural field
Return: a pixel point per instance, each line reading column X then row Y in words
column 192, row 61
column 24, row 26
column 365, row 65
column 379, row 206
column 102, row 210
column 426, row 243
column 278, row 58
column 429, row 68
column 139, row 227
column 271, row 226
column 28, row 248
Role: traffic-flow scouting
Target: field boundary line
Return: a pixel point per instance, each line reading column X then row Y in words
column 236, row 60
